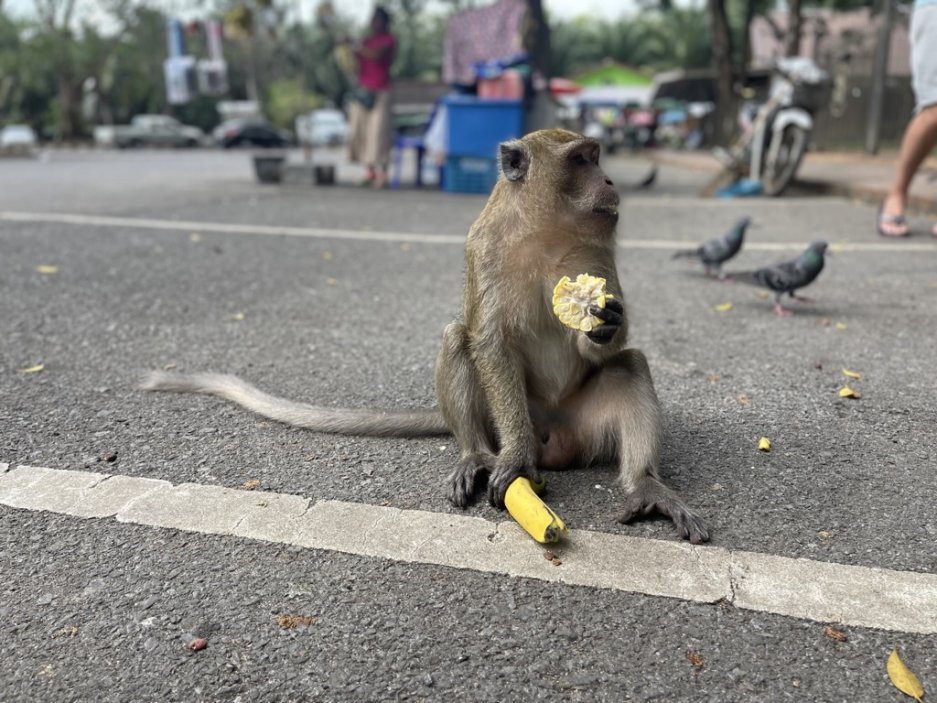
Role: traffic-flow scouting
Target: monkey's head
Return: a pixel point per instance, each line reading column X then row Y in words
column 555, row 174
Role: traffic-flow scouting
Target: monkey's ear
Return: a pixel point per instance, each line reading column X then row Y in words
column 515, row 160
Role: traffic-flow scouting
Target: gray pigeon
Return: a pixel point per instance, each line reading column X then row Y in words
column 716, row 252
column 788, row 276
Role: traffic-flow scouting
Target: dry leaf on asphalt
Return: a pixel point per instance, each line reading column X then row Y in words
column 195, row 237
column 852, row 374
column 764, row 444
column 238, row 316
column 840, row 326
column 723, row 307
column 902, row 677
column 47, row 269
column 742, row 399
column 695, row 659
column 250, row 485
column 713, row 378
column 33, row 369
column 847, row 392
column 835, row 634
column 289, row 622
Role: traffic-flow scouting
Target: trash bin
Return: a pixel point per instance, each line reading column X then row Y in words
column 268, row 167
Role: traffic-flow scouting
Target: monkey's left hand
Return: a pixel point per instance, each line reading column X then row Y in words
column 611, row 316
column 503, row 476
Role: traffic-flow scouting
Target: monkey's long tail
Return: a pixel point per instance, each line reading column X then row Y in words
column 408, row 423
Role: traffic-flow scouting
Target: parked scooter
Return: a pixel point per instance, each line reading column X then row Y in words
column 775, row 138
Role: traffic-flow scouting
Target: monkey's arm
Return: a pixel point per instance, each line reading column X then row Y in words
column 500, row 373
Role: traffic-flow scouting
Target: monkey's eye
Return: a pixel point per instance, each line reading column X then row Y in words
column 580, row 159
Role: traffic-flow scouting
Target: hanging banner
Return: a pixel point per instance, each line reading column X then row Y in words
column 178, row 69
column 213, row 71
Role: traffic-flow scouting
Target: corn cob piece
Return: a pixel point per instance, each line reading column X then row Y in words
column 571, row 301
column 531, row 513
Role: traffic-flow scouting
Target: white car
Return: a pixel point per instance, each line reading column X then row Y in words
column 322, row 128
column 17, row 139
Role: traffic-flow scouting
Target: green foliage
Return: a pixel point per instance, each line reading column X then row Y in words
column 287, row 99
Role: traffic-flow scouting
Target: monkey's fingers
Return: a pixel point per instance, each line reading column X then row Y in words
column 502, row 478
column 603, row 333
column 612, row 314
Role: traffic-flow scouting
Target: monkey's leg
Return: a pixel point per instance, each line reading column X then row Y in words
column 465, row 410
column 619, row 414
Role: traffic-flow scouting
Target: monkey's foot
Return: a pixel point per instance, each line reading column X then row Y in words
column 503, row 476
column 782, row 311
column 463, row 478
column 654, row 497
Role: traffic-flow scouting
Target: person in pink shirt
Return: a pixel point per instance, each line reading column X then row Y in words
column 369, row 117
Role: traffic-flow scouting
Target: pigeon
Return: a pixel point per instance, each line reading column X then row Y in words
column 788, row 276
column 716, row 252
column 648, row 180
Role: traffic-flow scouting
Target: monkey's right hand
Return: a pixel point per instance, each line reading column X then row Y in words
column 611, row 316
column 503, row 476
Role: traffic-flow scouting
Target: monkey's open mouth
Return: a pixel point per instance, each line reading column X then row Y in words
column 609, row 210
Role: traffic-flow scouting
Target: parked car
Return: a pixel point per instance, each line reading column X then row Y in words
column 149, row 130
column 254, row 132
column 17, row 139
column 322, row 128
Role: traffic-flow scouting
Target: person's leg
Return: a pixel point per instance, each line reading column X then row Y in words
column 920, row 138
column 379, row 137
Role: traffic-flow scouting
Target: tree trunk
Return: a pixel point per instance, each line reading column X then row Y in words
column 722, row 63
column 794, row 22
column 537, row 44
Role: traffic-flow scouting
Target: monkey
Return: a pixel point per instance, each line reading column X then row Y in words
column 518, row 390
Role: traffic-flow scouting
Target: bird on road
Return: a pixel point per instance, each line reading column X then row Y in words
column 716, row 252
column 788, row 276
column 648, row 180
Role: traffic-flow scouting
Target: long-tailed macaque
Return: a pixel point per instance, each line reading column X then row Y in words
column 520, row 391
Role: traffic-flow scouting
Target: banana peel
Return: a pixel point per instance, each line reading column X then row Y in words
column 531, row 513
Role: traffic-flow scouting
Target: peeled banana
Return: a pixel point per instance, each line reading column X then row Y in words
column 531, row 513
column 571, row 301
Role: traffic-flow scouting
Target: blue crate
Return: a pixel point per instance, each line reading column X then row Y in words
column 469, row 174
column 476, row 127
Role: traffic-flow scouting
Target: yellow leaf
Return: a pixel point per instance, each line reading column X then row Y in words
column 840, row 326
column 47, row 269
column 723, row 307
column 852, row 374
column 847, row 392
column 33, row 369
column 764, row 444
column 238, row 316
column 331, row 281
column 326, row 256
column 903, row 678
column 763, row 294
column 195, row 237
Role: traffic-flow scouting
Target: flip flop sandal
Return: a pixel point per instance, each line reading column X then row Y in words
column 893, row 220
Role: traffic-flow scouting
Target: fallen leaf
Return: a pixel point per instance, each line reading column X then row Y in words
column 847, row 392
column 824, row 322
column 852, row 374
column 764, row 444
column 47, row 269
column 695, row 659
column 840, row 326
column 198, row 644
column 67, row 631
column 331, row 281
column 763, row 294
column 742, row 399
column 903, row 678
column 723, row 307
column 326, row 256
column 170, row 366
column 823, row 534
column 835, row 634
column 713, row 378
column 250, row 485
column 238, row 316
column 556, row 562
column 33, row 369
column 406, row 246
column 195, row 237
column 290, row 622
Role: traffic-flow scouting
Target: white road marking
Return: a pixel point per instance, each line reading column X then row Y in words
column 821, row 591
column 375, row 236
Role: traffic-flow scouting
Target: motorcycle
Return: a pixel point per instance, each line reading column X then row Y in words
column 776, row 134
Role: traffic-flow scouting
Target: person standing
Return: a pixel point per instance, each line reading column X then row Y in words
column 370, row 119
column 920, row 136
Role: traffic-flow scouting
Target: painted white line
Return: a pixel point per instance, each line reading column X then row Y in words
column 374, row 236
column 821, row 591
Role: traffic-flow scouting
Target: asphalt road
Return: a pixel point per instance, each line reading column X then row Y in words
column 356, row 322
